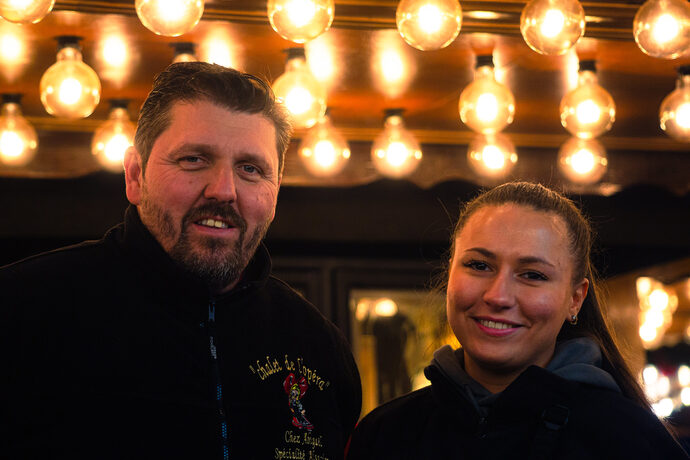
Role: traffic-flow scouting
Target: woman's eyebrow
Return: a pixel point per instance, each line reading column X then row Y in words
column 522, row 260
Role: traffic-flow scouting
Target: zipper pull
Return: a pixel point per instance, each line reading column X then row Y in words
column 212, row 312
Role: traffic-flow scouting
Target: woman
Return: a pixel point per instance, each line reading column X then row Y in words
column 538, row 374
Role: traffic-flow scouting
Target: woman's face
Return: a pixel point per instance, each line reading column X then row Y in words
column 510, row 288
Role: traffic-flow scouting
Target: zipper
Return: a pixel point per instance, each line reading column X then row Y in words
column 215, row 375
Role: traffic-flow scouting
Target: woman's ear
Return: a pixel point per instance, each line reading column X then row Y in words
column 578, row 297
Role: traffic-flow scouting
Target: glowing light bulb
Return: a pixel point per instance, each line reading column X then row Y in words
column 323, row 149
column 11, row 48
column 665, row 28
column 18, row 139
column 112, row 138
column 552, row 26
column 70, row 88
column 683, row 375
column 554, row 20
column 385, row 307
column 184, row 52
column 25, row 11
column 115, row 51
column 662, row 28
column 582, row 161
column 69, row 91
column 300, row 20
column 299, row 100
column 588, row 110
column 169, row 17
column 395, row 151
column 663, row 408
column 392, row 66
column 301, row 93
column 650, row 374
column 685, row 396
column 648, row 333
column 491, row 155
column 658, row 299
column 429, row 24
column 486, row 106
column 643, row 285
column 674, row 113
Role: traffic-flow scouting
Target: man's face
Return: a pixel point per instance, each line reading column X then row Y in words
column 209, row 190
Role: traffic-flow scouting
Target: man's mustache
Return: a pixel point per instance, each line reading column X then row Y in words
column 223, row 210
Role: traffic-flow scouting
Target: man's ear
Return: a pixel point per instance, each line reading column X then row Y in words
column 134, row 175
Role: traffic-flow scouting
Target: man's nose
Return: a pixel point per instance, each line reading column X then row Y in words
column 500, row 291
column 221, row 185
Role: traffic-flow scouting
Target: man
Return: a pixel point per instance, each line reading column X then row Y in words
column 167, row 338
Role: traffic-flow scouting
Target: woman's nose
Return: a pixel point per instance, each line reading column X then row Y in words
column 500, row 290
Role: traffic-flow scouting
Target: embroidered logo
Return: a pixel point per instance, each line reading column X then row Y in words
column 295, row 390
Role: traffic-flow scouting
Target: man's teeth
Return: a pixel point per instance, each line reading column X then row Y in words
column 494, row 324
column 213, row 223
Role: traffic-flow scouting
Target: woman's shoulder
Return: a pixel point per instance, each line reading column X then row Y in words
column 607, row 417
column 386, row 428
column 396, row 410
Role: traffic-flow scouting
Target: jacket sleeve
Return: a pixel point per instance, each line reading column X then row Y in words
column 350, row 397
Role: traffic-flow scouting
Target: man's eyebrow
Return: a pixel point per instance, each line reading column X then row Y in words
column 204, row 149
column 522, row 260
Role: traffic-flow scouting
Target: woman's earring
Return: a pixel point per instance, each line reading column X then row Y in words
column 573, row 320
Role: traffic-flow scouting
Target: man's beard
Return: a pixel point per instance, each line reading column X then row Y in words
column 214, row 260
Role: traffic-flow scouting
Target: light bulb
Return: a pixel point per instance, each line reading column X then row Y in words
column 395, row 151
column 18, row 139
column 112, row 138
column 300, row 20
column 70, row 88
column 184, row 52
column 674, row 113
column 25, row 11
column 491, row 155
column 485, row 105
column 662, row 28
column 169, row 17
column 301, row 93
column 588, row 110
column 385, row 307
column 582, row 161
column 323, row 150
column 552, row 26
column 429, row 24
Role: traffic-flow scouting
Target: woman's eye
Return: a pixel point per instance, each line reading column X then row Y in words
column 535, row 276
column 476, row 265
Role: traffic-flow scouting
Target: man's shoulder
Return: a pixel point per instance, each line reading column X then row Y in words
column 290, row 298
column 61, row 262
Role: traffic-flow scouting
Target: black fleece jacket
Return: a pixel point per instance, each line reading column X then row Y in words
column 539, row 416
column 107, row 352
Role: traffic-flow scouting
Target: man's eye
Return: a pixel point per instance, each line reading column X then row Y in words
column 190, row 159
column 251, row 169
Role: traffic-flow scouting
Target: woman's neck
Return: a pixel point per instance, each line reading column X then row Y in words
column 493, row 380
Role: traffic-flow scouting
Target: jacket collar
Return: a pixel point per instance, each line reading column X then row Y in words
column 533, row 391
column 141, row 245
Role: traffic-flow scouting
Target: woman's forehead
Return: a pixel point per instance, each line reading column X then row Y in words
column 515, row 228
